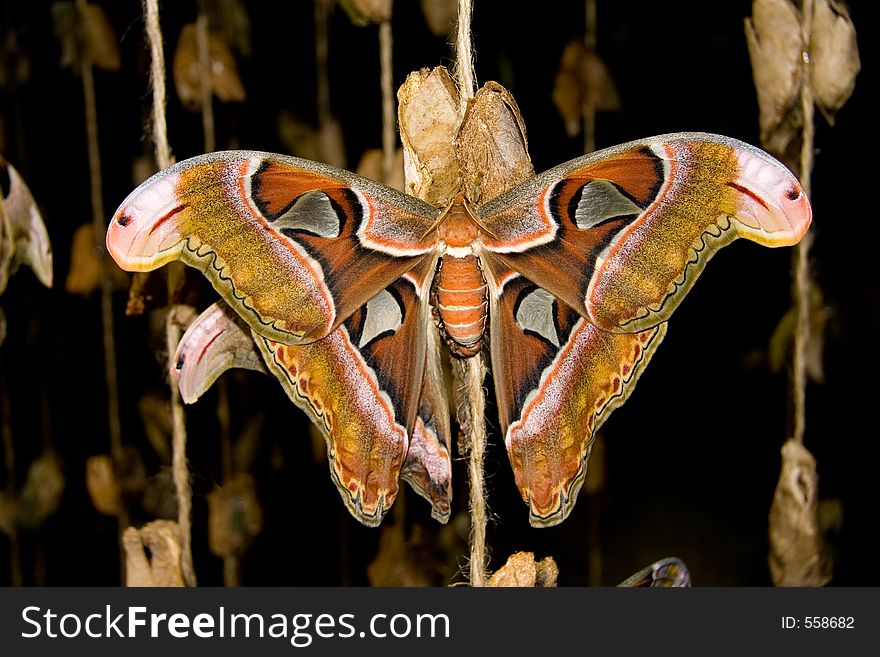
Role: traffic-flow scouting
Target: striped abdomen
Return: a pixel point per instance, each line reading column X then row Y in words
column 461, row 302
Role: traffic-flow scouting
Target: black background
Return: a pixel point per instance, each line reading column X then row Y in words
column 693, row 456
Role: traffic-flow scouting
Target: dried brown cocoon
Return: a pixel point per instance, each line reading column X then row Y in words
column 87, row 268
column 225, row 80
column 162, row 568
column 365, row 12
column 582, row 82
column 102, row 485
column 781, row 342
column 521, row 570
column 405, row 560
column 99, row 38
column 235, row 516
column 40, row 496
column 834, row 56
column 429, row 114
column 773, row 35
column 371, row 164
column 797, row 552
column 491, row 145
column 440, row 15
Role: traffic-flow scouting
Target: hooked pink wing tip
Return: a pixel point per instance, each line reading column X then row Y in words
column 140, row 229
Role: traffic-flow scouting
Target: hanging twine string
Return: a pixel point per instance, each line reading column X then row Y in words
column 802, row 283
column 180, row 471
column 589, row 110
column 99, row 226
column 464, row 54
column 203, row 49
column 389, row 125
column 475, row 371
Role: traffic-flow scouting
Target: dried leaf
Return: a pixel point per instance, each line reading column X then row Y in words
column 364, row 12
column 102, row 485
column 162, row 539
column 834, row 56
column 99, row 37
column 372, row 163
column 521, row 570
column 23, row 235
column 582, row 82
column 225, row 80
column 773, row 34
column 40, row 496
column 440, row 15
column 429, row 114
column 234, row 516
column 670, row 572
column 797, row 553
column 87, row 268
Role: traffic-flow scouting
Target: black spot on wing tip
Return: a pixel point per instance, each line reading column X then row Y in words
column 124, row 219
column 180, row 361
column 793, row 194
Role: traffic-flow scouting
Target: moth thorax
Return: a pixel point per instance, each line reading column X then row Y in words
column 460, row 299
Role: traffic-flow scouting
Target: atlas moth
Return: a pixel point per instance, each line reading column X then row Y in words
column 345, row 289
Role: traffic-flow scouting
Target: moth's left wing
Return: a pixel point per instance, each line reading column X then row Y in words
column 219, row 340
column 294, row 246
column 557, row 379
column 361, row 386
column 622, row 234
